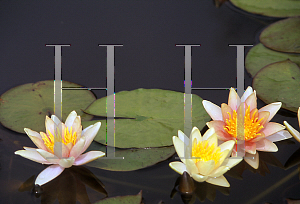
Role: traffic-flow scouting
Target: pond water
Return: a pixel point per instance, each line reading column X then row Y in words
column 148, row 31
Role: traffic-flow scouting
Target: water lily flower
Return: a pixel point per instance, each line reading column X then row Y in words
column 293, row 131
column 204, row 160
column 239, row 120
column 61, row 148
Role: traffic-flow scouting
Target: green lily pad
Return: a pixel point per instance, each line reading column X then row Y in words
column 158, row 115
column 273, row 8
column 129, row 199
column 27, row 105
column 133, row 158
column 279, row 82
column 283, row 36
column 260, row 56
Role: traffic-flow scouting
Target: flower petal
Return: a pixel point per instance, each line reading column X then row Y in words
column 183, row 137
column 219, row 181
column 50, row 125
column 219, row 171
column 272, row 108
column 252, row 159
column 88, row 157
column 77, row 148
column 205, row 167
column 179, row 167
column 208, row 133
column 180, row 147
column 247, row 93
column 67, row 162
column 51, row 158
column 195, row 134
column 232, row 161
column 252, row 101
column 213, row 110
column 191, row 166
column 227, row 145
column 49, row 174
column 225, row 110
column 32, row 155
column 36, row 138
column 272, row 128
column 56, row 120
column 61, row 150
column 266, row 146
column 70, row 119
column 293, row 131
column 199, row 178
column 250, row 147
column 234, row 100
column 281, row 135
column 90, row 134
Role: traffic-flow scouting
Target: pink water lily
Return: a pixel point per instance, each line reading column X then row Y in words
column 62, row 146
column 293, row 131
column 241, row 120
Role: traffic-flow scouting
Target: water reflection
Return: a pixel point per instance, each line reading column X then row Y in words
column 190, row 190
column 68, row 187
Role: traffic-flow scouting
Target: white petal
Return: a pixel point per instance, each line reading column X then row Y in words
column 247, row 93
column 199, row 178
column 183, row 137
column 71, row 118
column 272, row 108
column 278, row 136
column 213, row 110
column 195, row 134
column 219, row 171
column 55, row 119
column 252, row 159
column 51, row 158
column 219, row 181
column 88, row 157
column 292, row 130
column 32, row 155
column 179, row 167
column 66, row 163
column 227, row 145
column 232, row 161
column 191, row 166
column 208, row 133
column 180, row 148
column 77, row 148
column 90, row 134
column 36, row 138
column 49, row 174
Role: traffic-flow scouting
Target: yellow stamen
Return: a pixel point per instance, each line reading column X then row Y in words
column 67, row 138
column 252, row 125
column 206, row 152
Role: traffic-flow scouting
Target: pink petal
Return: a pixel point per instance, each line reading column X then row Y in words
column 225, row 110
column 50, row 125
column 272, row 128
column 56, row 120
column 90, row 134
column 36, row 138
column 216, row 124
column 61, row 150
column 252, row 159
column 266, row 146
column 247, row 93
column 32, row 155
column 278, row 136
column 234, row 100
column 265, row 115
column 251, row 101
column 88, row 157
column 213, row 110
column 70, row 119
column 51, row 158
column 49, row 174
column 272, row 108
column 250, row 147
column 77, row 149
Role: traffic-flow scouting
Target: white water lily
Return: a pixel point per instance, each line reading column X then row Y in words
column 204, row 160
column 62, row 148
column 292, row 130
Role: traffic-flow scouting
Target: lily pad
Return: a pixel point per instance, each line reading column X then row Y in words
column 129, row 199
column 260, row 56
column 283, row 36
column 273, row 8
column 27, row 105
column 158, row 115
column 279, row 82
column 133, row 158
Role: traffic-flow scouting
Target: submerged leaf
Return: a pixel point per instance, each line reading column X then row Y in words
column 274, row 8
column 283, row 36
column 27, row 105
column 129, row 199
column 279, row 82
column 259, row 56
column 158, row 115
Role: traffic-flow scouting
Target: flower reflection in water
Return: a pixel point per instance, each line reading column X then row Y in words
column 69, row 187
column 190, row 191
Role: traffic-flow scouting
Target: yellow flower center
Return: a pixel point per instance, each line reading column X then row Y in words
column 67, row 138
column 204, row 152
column 249, row 130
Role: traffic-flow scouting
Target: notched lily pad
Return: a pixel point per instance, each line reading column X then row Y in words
column 279, row 81
column 158, row 115
column 129, row 199
column 27, row 105
column 283, row 36
column 259, row 56
column 133, row 158
column 273, row 8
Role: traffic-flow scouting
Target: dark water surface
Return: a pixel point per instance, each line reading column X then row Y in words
column 149, row 58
